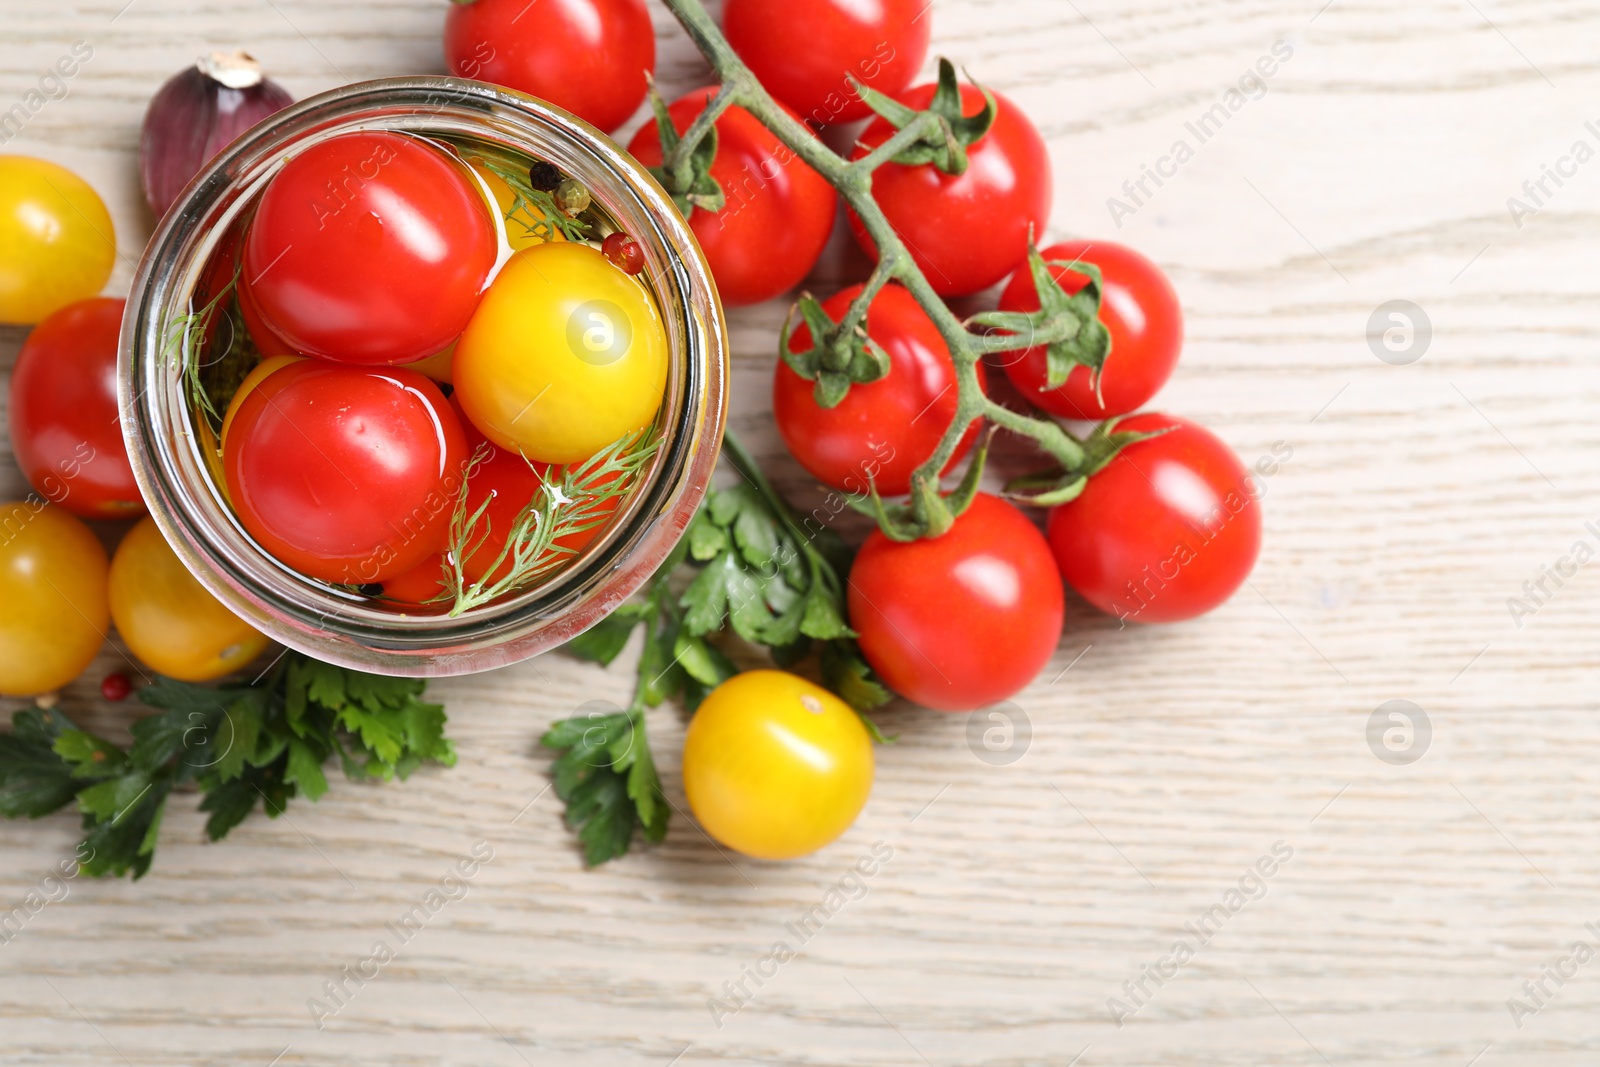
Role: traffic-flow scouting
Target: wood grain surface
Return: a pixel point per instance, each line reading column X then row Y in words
column 1162, row 765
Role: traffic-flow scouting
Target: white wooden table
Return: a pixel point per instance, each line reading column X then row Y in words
column 1162, row 765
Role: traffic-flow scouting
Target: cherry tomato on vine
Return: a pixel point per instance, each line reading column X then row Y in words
column 57, row 244
column 369, row 248
column 1140, row 310
column 774, row 766
column 565, row 355
column 1168, row 530
column 347, row 474
column 970, row 231
column 779, row 211
column 65, row 429
column 591, row 57
column 962, row 620
column 168, row 619
column 53, row 586
column 883, row 429
column 806, row 51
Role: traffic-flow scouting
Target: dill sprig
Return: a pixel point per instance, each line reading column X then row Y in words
column 535, row 210
column 577, row 501
column 185, row 344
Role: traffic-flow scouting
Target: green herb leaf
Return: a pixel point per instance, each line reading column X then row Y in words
column 608, row 780
column 704, row 663
column 754, row 572
column 846, row 673
column 953, row 133
column 605, row 641
column 124, row 841
column 242, row 744
column 838, row 357
column 34, row 779
column 534, row 212
column 89, row 756
column 1054, row 486
column 304, row 770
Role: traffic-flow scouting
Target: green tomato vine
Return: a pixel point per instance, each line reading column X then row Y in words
column 841, row 353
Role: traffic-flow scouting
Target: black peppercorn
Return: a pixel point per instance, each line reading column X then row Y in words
column 544, row 176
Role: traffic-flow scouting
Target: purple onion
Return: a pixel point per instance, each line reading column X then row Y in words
column 197, row 114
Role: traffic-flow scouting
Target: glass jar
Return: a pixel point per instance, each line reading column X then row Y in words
column 342, row 626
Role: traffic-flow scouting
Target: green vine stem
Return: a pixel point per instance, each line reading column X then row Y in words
column 853, row 179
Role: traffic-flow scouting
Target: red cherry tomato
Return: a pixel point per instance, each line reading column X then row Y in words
column 369, row 248
column 966, row 232
column 883, row 429
column 509, row 483
column 267, row 341
column 779, row 212
column 1169, row 530
column 806, row 51
column 64, row 425
column 1140, row 310
column 420, row 584
column 347, row 474
column 963, row 620
column 590, row 57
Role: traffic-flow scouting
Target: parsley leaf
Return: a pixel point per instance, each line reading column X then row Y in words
column 604, row 772
column 34, row 780
column 773, row 583
column 754, row 573
column 609, row 782
column 242, row 745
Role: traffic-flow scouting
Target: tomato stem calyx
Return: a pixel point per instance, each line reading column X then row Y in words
column 1053, row 486
column 841, row 354
column 942, row 138
column 685, row 171
column 928, row 513
column 1067, row 324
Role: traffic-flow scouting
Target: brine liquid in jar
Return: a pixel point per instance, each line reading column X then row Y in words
column 425, row 373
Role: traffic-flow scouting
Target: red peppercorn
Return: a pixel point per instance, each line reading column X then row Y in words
column 115, row 687
column 624, row 252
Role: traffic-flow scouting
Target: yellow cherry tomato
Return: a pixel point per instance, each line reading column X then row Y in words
column 436, row 366
column 57, row 244
column 258, row 374
column 525, row 225
column 53, row 613
column 774, row 766
column 168, row 619
column 565, row 354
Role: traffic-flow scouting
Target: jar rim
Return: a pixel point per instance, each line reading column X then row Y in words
column 328, row 623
